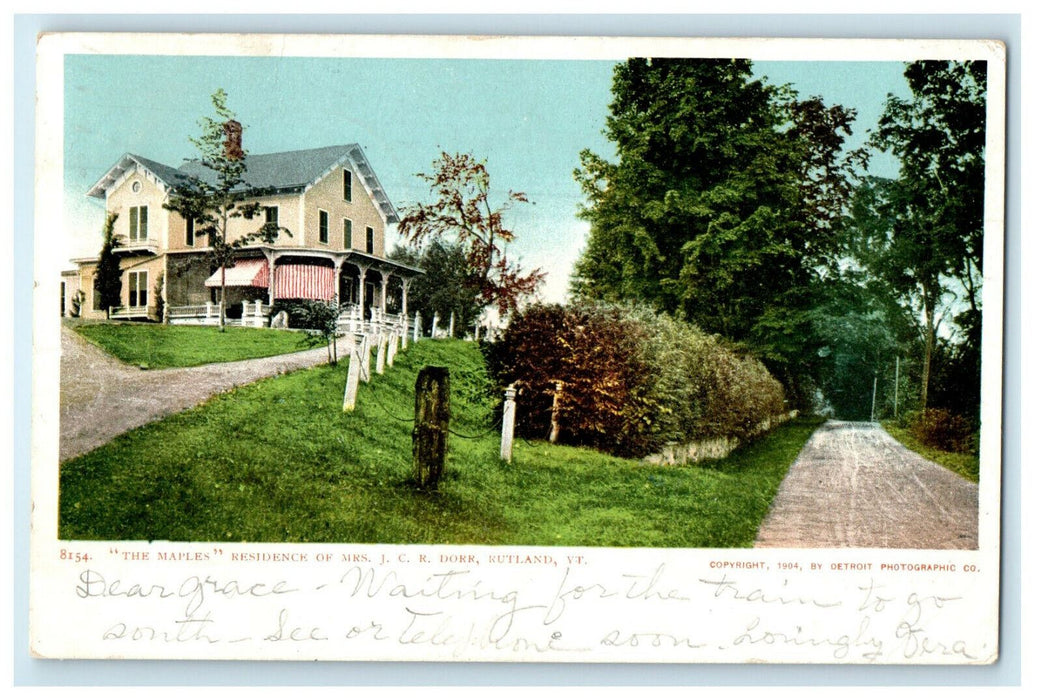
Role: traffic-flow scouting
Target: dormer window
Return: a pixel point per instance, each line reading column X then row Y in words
column 138, row 224
column 347, row 185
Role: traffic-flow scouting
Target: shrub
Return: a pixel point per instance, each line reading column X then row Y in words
column 937, row 427
column 634, row 380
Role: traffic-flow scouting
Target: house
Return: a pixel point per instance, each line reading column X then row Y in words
column 329, row 199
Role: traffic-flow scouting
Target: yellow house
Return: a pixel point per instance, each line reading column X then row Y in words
column 330, row 201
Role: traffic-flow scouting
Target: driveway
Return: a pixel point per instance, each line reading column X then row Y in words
column 853, row 485
column 102, row 397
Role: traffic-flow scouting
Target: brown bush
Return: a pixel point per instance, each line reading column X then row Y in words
column 937, row 427
column 633, row 380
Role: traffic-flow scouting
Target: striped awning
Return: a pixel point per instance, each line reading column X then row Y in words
column 245, row 273
column 294, row 281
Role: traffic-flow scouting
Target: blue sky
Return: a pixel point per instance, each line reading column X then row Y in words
column 528, row 118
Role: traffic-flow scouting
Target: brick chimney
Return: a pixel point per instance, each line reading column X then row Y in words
column 233, row 140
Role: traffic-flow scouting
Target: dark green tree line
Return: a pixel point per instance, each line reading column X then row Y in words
column 721, row 206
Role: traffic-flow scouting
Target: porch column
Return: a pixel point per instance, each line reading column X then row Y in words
column 361, row 290
column 271, row 256
column 383, row 292
column 338, row 266
column 405, row 297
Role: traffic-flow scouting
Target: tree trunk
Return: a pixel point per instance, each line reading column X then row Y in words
column 929, row 337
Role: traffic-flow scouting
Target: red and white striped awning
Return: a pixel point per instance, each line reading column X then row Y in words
column 293, row 281
column 245, row 273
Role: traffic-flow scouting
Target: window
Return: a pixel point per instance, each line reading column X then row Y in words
column 138, row 224
column 347, row 234
column 138, row 284
column 271, row 215
column 189, row 231
column 370, row 240
column 323, row 226
column 347, row 185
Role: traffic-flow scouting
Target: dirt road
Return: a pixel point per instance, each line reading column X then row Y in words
column 853, row 485
column 102, row 397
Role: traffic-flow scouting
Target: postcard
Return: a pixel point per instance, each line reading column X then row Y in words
column 517, row 349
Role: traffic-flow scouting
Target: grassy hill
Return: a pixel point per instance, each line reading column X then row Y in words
column 279, row 461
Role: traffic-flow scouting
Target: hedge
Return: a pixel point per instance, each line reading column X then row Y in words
column 633, row 380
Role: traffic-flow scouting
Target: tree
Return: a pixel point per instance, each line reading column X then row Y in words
column 448, row 285
column 108, row 278
column 932, row 239
column 321, row 317
column 722, row 203
column 214, row 202
column 460, row 185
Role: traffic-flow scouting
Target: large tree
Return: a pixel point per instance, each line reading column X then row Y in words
column 929, row 248
column 108, row 278
column 460, row 209
column 721, row 204
column 448, row 285
column 214, row 202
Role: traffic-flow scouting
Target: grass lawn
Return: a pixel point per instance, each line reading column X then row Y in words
column 279, row 461
column 966, row 465
column 157, row 346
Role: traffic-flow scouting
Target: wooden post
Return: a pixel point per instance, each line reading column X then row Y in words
column 381, row 353
column 431, row 425
column 555, row 413
column 354, row 372
column 506, row 442
column 416, row 328
column 363, row 344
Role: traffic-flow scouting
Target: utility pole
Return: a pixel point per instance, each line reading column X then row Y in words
column 897, row 383
column 875, row 378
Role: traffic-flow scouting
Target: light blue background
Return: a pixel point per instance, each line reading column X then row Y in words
column 48, row 672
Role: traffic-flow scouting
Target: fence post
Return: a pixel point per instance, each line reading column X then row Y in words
column 430, row 426
column 506, row 442
column 381, row 353
column 555, row 413
column 354, row 371
column 392, row 348
column 363, row 343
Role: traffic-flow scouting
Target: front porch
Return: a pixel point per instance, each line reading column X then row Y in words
column 372, row 293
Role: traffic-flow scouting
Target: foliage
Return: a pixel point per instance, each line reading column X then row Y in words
column 159, row 346
column 460, row 185
column 965, row 464
column 722, row 205
column 936, row 427
column 447, row 286
column 321, row 317
column 108, row 278
column 157, row 294
column 921, row 235
column 349, row 478
column 633, row 380
column 213, row 205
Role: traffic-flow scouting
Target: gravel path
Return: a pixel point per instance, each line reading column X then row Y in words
column 102, row 397
column 853, row 485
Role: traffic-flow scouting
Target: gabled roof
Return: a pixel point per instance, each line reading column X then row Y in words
column 286, row 172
